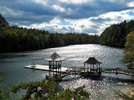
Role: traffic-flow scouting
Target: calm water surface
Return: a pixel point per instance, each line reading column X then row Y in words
column 101, row 89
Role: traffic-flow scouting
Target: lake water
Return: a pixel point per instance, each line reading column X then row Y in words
column 101, row 89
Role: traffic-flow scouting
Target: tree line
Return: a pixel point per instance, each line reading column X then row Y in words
column 116, row 34
column 14, row 38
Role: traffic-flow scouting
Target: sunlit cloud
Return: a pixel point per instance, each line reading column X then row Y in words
column 59, row 8
column 131, row 4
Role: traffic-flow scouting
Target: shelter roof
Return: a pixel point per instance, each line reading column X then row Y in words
column 92, row 60
column 55, row 57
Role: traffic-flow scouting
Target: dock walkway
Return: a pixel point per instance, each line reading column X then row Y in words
column 66, row 71
column 78, row 70
column 44, row 67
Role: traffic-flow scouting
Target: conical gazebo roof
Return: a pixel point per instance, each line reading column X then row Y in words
column 55, row 57
column 92, row 60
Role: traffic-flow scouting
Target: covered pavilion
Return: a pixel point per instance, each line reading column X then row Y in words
column 92, row 65
column 55, row 62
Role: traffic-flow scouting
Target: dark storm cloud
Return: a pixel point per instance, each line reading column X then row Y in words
column 33, row 9
column 82, row 26
column 100, row 20
column 90, row 31
column 95, row 8
column 32, row 12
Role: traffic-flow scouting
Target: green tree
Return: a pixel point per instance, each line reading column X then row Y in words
column 4, row 91
column 115, row 35
column 14, row 38
column 129, row 47
column 44, row 90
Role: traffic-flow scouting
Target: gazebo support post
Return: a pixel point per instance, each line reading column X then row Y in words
column 49, row 69
column 84, row 67
column 56, row 69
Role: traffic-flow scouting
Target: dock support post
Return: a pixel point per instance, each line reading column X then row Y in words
column 75, row 71
column 116, row 71
column 84, row 67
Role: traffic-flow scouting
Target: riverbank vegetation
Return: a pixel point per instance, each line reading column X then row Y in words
column 14, row 38
column 4, row 91
column 129, row 49
column 115, row 35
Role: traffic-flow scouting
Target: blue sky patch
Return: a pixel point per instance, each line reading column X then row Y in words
column 64, row 23
column 61, row 23
column 131, row 13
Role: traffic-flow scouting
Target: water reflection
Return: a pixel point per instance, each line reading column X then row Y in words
column 13, row 64
column 99, row 89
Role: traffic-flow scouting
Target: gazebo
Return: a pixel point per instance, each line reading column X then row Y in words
column 92, row 66
column 54, row 66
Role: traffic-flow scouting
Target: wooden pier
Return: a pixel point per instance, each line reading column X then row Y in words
column 64, row 71
column 91, row 68
column 44, row 67
column 77, row 70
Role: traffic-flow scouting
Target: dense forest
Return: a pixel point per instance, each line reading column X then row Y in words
column 14, row 38
column 116, row 34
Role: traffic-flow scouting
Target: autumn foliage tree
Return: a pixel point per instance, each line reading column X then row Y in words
column 129, row 47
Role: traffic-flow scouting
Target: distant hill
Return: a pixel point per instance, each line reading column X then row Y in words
column 115, row 35
column 3, row 20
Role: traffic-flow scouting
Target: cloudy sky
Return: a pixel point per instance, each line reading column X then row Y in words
column 80, row 16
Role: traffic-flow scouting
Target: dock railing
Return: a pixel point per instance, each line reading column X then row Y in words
column 74, row 70
column 118, row 71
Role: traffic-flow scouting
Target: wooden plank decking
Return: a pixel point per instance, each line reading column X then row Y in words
column 44, row 67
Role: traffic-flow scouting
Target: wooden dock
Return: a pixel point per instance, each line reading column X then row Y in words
column 44, row 68
column 65, row 71
column 80, row 71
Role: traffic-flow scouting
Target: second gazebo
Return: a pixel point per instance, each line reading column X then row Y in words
column 54, row 67
column 91, row 68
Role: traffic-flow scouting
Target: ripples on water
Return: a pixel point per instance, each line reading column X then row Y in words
column 101, row 89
